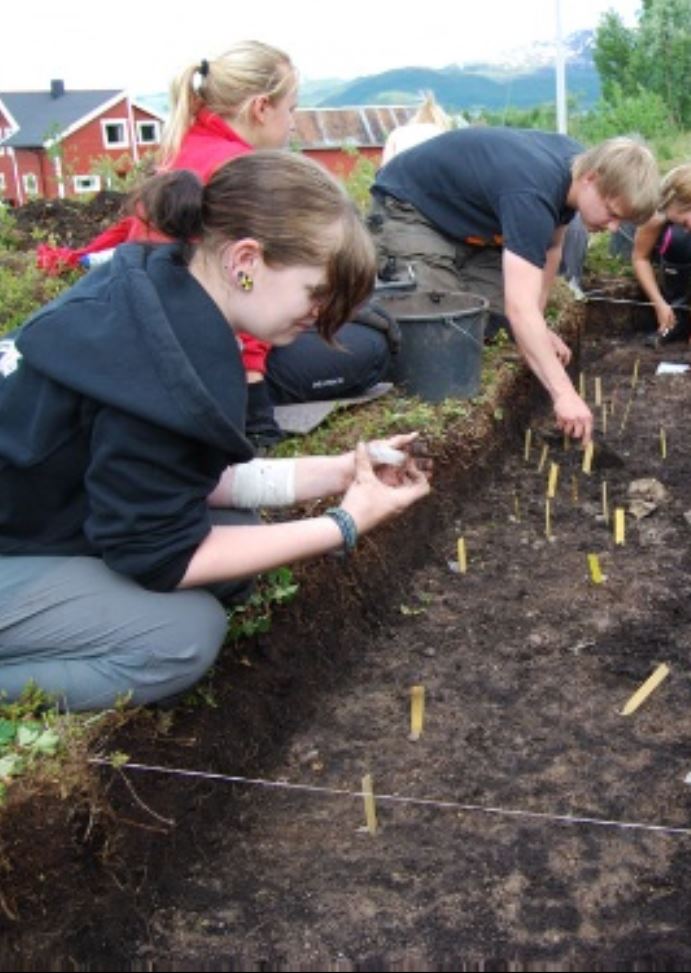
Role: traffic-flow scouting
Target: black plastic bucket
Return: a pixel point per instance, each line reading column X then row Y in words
column 442, row 342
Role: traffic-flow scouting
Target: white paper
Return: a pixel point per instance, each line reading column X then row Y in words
column 671, row 368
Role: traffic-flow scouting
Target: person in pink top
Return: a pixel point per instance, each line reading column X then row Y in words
column 223, row 108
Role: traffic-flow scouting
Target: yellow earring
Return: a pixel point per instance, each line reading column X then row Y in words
column 246, row 282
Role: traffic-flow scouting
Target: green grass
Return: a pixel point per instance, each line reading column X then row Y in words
column 601, row 263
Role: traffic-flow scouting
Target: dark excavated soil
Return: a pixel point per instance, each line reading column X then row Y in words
column 526, row 666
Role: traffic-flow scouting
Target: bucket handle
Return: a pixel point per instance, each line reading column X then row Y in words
column 448, row 319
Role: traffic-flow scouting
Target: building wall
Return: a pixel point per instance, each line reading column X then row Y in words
column 85, row 146
column 8, row 188
column 26, row 162
column 341, row 163
column 77, row 154
column 82, row 148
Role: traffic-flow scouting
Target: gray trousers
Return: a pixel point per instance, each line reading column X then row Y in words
column 440, row 263
column 89, row 636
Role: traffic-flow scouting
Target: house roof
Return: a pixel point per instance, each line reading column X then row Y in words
column 40, row 116
column 333, row 128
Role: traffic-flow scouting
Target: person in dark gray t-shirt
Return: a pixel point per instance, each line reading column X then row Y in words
column 486, row 209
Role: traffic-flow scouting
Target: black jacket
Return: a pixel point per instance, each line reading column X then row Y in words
column 126, row 405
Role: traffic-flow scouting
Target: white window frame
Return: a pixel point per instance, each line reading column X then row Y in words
column 3, row 182
column 30, row 183
column 157, row 130
column 105, row 122
column 86, row 183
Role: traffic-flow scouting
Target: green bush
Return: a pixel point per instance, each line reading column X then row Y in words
column 9, row 237
column 644, row 113
column 24, row 288
column 359, row 180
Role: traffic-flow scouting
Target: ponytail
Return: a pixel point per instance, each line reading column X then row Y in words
column 226, row 86
column 171, row 203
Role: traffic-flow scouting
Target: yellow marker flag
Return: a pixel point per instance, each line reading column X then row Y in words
column 527, row 444
column 543, row 458
column 634, row 376
column 548, row 518
column 417, row 711
column 462, row 556
column 596, row 575
column 642, row 693
column 625, row 417
column 588, row 452
column 552, row 480
column 663, row 443
column 370, row 809
column 619, row 526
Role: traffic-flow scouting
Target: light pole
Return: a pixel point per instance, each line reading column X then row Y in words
column 560, row 68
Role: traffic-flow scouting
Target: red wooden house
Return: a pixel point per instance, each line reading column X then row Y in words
column 49, row 140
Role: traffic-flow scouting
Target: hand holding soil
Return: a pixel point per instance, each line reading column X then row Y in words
column 391, row 457
column 372, row 498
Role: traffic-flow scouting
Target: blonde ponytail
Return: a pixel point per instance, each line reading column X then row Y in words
column 226, row 86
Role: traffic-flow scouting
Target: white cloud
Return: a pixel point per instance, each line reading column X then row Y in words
column 143, row 44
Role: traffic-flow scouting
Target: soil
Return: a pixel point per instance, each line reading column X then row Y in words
column 67, row 222
column 481, row 862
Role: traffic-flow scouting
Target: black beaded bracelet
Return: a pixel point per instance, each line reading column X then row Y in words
column 346, row 525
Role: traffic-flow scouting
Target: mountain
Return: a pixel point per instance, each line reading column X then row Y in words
column 522, row 78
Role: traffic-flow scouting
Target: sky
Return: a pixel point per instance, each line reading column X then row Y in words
column 142, row 44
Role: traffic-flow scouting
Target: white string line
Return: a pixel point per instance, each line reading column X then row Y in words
column 395, row 798
column 591, row 297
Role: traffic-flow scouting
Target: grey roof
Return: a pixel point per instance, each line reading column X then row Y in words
column 362, row 126
column 41, row 116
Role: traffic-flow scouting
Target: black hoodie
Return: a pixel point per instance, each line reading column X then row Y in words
column 126, row 405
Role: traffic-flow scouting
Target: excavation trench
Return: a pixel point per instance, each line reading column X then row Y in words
column 531, row 826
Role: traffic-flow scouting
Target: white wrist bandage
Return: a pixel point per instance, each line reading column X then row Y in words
column 384, row 455
column 263, row 483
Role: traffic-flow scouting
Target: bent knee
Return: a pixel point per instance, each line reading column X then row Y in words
column 198, row 630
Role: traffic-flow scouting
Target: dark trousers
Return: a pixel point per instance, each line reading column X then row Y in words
column 309, row 370
column 403, row 235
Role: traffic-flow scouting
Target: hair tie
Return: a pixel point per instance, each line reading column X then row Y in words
column 199, row 75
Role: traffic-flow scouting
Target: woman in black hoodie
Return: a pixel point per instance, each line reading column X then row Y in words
column 127, row 486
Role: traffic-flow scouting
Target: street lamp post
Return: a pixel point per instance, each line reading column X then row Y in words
column 560, row 72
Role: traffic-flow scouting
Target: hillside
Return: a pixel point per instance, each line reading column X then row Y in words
column 522, row 78
column 460, row 90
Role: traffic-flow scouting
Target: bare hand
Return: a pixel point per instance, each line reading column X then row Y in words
column 371, row 501
column 573, row 416
column 666, row 317
column 391, row 458
column 560, row 348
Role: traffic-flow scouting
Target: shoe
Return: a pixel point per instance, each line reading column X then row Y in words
column 264, row 438
column 261, row 427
